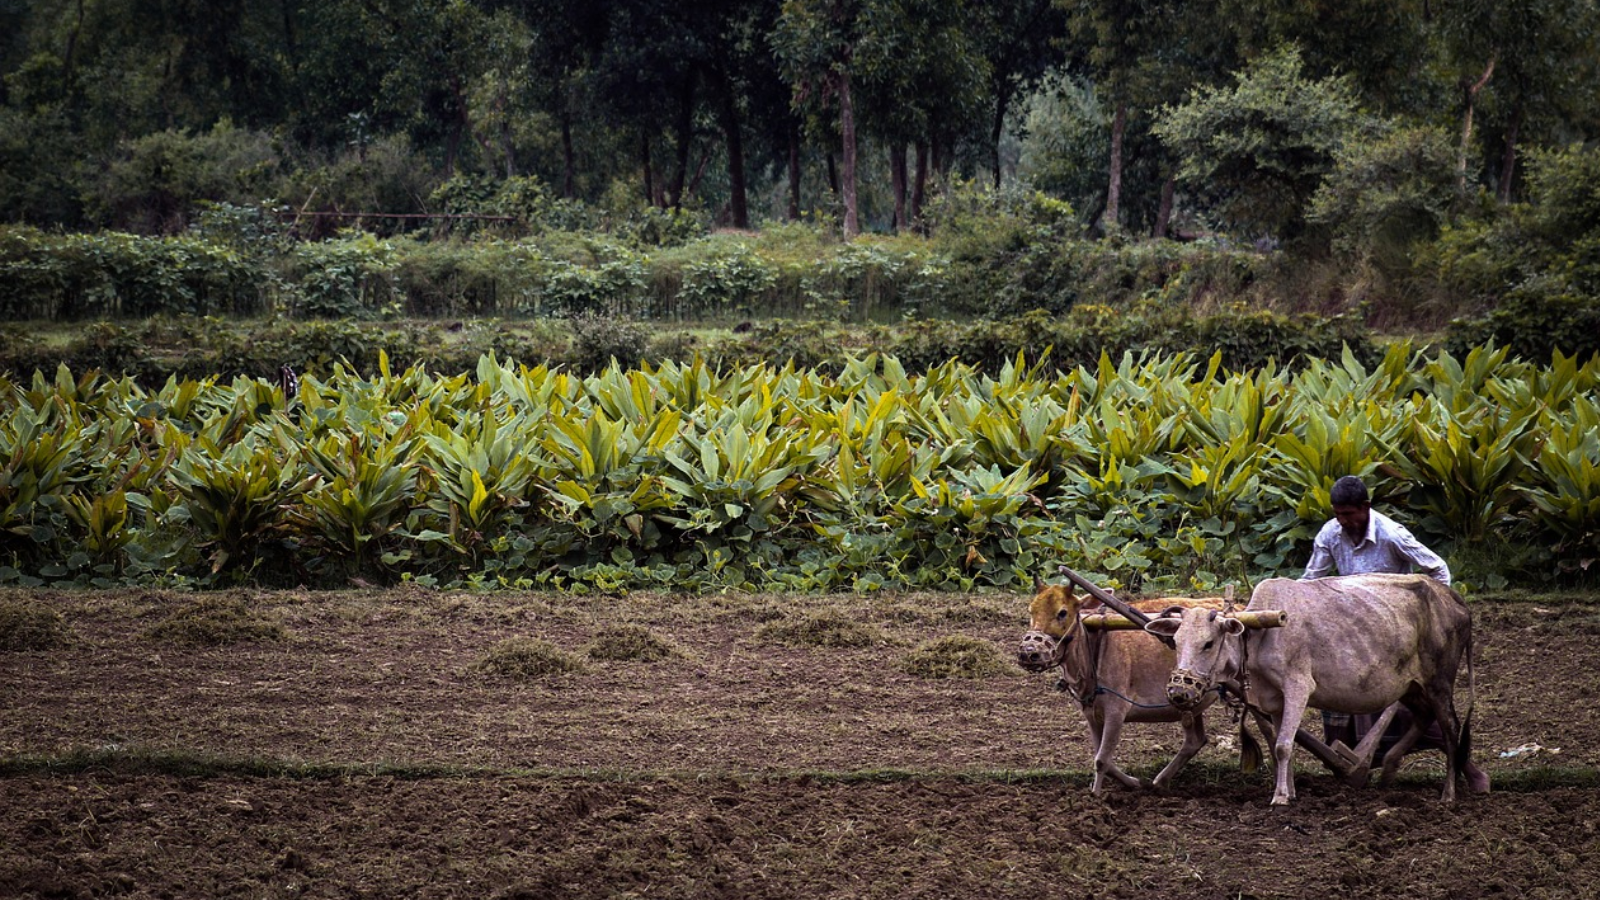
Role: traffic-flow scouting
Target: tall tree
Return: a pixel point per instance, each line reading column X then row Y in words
column 1535, row 58
column 1263, row 146
column 1020, row 40
column 816, row 43
column 920, row 81
column 1122, row 44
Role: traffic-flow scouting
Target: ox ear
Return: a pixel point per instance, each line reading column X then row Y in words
column 1231, row 625
column 1163, row 627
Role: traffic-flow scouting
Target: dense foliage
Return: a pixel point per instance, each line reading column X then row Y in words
column 1407, row 162
column 1158, row 471
column 157, row 349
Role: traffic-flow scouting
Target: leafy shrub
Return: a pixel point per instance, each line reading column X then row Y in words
column 1264, row 144
column 1535, row 267
column 66, row 277
column 1540, row 317
column 156, row 182
column 1387, row 193
column 34, row 185
column 598, row 341
column 729, row 279
column 387, row 175
column 344, row 279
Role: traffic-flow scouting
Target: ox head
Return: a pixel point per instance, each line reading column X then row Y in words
column 1208, row 648
column 1053, row 623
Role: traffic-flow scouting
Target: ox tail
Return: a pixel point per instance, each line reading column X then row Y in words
column 1249, row 749
column 1464, row 742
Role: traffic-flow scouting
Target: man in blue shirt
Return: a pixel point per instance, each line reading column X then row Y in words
column 1356, row 541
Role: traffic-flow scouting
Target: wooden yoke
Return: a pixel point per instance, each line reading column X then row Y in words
column 1252, row 618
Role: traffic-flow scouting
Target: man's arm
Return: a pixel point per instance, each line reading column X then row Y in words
column 1424, row 560
column 1321, row 562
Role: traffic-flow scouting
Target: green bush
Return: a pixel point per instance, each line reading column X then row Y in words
column 116, row 275
column 385, row 176
column 155, row 183
column 1540, row 317
column 351, row 278
column 1388, row 193
column 1533, row 268
column 599, row 341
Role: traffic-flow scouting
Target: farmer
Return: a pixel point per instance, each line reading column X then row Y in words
column 1358, row 540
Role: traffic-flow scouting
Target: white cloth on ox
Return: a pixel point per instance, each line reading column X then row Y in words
column 1387, row 547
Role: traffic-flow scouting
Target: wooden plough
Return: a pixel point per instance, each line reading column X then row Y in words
column 1353, row 766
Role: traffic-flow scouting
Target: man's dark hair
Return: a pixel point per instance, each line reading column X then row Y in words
column 1348, row 491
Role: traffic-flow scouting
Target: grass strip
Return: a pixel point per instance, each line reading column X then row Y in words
column 193, row 764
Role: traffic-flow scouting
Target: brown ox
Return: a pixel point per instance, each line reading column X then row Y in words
column 1116, row 676
column 1354, row 644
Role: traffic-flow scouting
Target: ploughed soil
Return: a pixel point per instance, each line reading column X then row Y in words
column 386, row 744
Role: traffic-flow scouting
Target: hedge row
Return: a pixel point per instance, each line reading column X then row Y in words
column 154, row 350
column 784, row 271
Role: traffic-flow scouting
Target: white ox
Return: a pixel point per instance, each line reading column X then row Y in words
column 1354, row 644
column 1115, row 676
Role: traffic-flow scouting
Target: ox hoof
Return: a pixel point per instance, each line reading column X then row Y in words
column 1477, row 780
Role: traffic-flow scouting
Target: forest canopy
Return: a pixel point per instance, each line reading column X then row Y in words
column 1411, row 149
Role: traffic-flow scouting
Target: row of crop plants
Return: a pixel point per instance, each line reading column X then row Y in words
column 1160, row 472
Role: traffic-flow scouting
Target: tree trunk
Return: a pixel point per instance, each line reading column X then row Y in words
column 738, row 205
column 685, row 129
column 847, row 157
column 897, row 183
column 77, row 29
column 1113, row 213
column 507, row 145
column 1470, row 102
column 833, row 175
column 460, row 127
column 1164, row 211
column 699, row 173
column 794, row 173
column 568, row 163
column 919, row 185
column 1001, row 101
column 1508, row 161
column 649, row 171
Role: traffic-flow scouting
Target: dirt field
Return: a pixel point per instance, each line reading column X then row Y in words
column 356, row 746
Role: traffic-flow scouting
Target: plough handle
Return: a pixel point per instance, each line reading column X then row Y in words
column 1105, row 597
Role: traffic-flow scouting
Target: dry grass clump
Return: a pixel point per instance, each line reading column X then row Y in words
column 957, row 656
column 833, row 630
column 28, row 625
column 527, row 658
column 629, row 643
column 216, row 622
